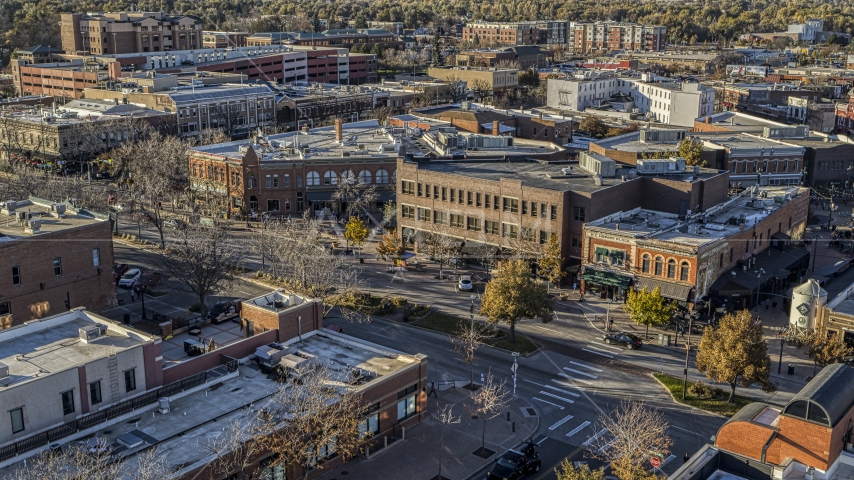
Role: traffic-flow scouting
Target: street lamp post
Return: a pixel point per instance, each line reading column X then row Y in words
column 780, row 364
column 814, row 247
column 514, row 368
column 141, row 291
column 608, row 315
column 687, row 352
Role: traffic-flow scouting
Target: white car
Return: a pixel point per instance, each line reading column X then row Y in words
column 130, row 278
column 465, row 283
column 378, row 231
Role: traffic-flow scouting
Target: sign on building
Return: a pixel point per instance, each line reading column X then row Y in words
column 746, row 70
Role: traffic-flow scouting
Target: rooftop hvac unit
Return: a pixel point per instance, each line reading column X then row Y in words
column 4, row 370
column 91, row 333
column 58, row 210
column 163, row 405
column 33, row 226
column 23, row 216
column 9, row 207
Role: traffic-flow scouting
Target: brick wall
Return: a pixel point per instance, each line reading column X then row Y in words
column 41, row 292
column 744, row 438
column 289, row 323
column 802, row 441
column 207, row 361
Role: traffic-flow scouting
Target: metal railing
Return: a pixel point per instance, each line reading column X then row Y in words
column 109, row 413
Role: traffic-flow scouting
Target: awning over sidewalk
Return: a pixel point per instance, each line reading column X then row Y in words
column 473, row 247
column 675, row 291
column 319, row 196
column 606, row 278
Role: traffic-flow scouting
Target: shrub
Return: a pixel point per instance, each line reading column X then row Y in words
column 196, row 308
column 397, row 302
column 701, row 390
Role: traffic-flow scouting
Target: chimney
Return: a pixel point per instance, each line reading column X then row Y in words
column 541, row 116
column 339, row 135
column 708, row 119
column 496, row 127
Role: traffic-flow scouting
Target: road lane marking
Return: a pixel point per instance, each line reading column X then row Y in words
column 540, row 326
column 580, row 373
column 598, row 353
column 564, row 384
column 605, row 346
column 594, row 437
column 561, row 391
column 381, row 335
column 550, row 403
column 575, row 379
column 686, row 431
column 668, row 459
column 606, row 446
column 577, row 429
column 561, row 422
column 556, row 396
column 584, row 365
column 542, row 440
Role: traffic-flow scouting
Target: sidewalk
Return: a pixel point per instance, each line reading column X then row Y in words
column 417, row 456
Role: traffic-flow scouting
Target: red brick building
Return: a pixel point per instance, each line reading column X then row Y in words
column 53, row 262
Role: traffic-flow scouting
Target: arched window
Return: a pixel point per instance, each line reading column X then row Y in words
column 683, row 273
column 312, row 179
column 394, row 176
column 251, row 181
column 382, row 176
column 645, row 263
column 659, row 265
column 330, row 178
column 671, row 268
column 365, row 177
column 348, row 177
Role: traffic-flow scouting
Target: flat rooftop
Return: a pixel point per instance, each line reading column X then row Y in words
column 361, row 140
column 721, row 221
column 11, row 229
column 196, row 419
column 276, row 301
column 531, row 173
column 53, row 344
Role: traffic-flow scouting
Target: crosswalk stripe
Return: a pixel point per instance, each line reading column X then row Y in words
column 606, row 446
column 560, row 390
column 545, row 401
column 595, row 437
column 577, row 429
column 561, row 422
column 556, row 396
column 575, row 379
column 605, row 345
column 564, row 384
column 579, row 372
column 598, row 353
column 584, row 365
column 668, row 459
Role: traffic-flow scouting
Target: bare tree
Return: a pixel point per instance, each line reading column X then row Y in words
column 439, row 245
column 381, row 114
column 481, row 89
column 445, row 417
column 489, row 401
column 507, row 65
column 201, row 258
column 636, row 432
column 359, row 197
column 456, row 88
column 314, row 417
column 466, row 343
column 235, row 449
column 77, row 461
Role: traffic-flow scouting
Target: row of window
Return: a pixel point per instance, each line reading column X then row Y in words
column 745, row 166
column 474, row 224
column 67, row 399
column 57, row 266
column 617, row 258
column 477, row 199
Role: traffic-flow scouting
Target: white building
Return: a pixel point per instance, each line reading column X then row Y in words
column 806, row 32
column 672, row 103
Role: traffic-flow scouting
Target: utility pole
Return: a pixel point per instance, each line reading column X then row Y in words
column 514, row 368
column 687, row 351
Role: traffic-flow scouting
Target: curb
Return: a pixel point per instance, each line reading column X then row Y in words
column 479, row 471
column 680, row 403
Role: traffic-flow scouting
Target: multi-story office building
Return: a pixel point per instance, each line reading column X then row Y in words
column 211, row 39
column 550, row 32
column 603, row 37
column 496, row 79
column 673, row 103
column 343, row 38
column 129, row 32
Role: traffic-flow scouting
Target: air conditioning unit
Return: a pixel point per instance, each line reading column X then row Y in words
column 22, row 216
column 33, row 226
column 91, row 333
column 4, row 370
column 9, row 207
column 58, row 210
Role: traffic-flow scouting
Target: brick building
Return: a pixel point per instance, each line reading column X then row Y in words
column 290, row 173
column 316, row 104
column 211, row 39
column 56, row 261
column 699, row 252
column 745, row 94
column 40, row 54
column 59, row 79
column 604, row 37
column 809, row 436
column 129, row 32
column 342, row 38
column 486, row 33
column 517, row 204
column 526, row 56
column 496, row 79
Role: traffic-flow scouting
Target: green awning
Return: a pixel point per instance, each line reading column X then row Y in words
column 606, row 278
column 601, row 251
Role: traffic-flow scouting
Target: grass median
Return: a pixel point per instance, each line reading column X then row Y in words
column 716, row 404
column 451, row 325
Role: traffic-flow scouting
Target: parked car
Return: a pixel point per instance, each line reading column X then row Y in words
column 119, row 269
column 465, row 283
column 513, row 465
column 378, row 231
column 174, row 223
column 130, row 278
column 628, row 340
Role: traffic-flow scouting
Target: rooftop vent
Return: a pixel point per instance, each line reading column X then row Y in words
column 4, row 370
column 91, row 333
column 9, row 207
column 58, row 210
column 33, row 226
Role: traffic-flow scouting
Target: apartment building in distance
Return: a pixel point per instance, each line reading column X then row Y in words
column 128, row 32
column 667, row 101
column 604, row 37
column 497, row 79
column 545, row 32
column 341, row 38
column 212, row 39
column 55, row 257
